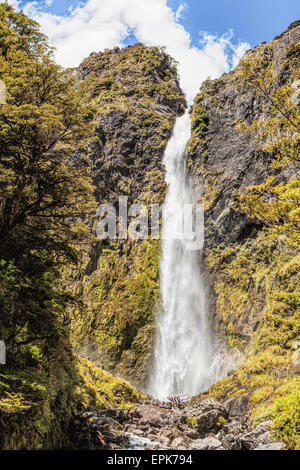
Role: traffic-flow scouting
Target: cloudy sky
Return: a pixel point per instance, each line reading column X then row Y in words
column 206, row 37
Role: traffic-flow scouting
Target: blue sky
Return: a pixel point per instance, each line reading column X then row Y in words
column 253, row 21
column 206, row 37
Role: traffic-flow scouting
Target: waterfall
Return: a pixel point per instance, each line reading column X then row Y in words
column 183, row 348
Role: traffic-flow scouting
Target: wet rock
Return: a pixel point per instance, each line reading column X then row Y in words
column 209, row 443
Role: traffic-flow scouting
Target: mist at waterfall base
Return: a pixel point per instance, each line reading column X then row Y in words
column 184, row 363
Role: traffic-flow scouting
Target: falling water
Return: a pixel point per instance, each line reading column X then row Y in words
column 183, row 348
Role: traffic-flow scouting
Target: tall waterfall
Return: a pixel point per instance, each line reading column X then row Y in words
column 183, row 348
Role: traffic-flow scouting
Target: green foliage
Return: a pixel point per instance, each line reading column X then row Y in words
column 118, row 300
column 99, row 389
column 200, row 123
column 276, row 205
column 286, row 415
column 257, row 280
column 43, row 189
column 192, row 422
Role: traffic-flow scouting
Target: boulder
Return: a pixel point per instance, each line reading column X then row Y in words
column 209, row 443
column 149, row 415
column 272, row 446
column 236, row 407
column 179, row 443
column 209, row 421
column 212, row 404
column 258, row 436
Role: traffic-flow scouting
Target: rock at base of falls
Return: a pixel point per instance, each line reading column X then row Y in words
column 155, row 425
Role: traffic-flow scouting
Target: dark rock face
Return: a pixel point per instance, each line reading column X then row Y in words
column 225, row 161
column 245, row 258
column 135, row 99
column 229, row 158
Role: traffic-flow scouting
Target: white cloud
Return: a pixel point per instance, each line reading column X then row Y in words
column 100, row 24
column 13, row 3
column 180, row 10
column 239, row 52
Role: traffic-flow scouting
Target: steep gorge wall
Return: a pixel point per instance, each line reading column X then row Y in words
column 254, row 273
column 136, row 95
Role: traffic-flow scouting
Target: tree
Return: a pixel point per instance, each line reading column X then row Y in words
column 277, row 133
column 46, row 127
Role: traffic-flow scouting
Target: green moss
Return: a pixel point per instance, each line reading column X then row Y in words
column 294, row 50
column 200, row 123
column 192, row 422
column 118, row 301
column 286, row 416
column 99, row 389
column 259, row 277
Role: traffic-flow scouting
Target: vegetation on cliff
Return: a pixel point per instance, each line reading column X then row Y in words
column 70, row 140
column 256, row 276
column 44, row 188
column 136, row 96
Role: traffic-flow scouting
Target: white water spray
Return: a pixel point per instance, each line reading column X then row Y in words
column 183, row 349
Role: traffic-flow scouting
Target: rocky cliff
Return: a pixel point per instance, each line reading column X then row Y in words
column 76, row 309
column 136, row 97
column 253, row 265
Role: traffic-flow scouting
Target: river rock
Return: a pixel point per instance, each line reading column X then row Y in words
column 151, row 446
column 149, row 415
column 192, row 433
column 296, row 344
column 272, row 446
column 232, row 442
column 179, row 443
column 209, row 443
